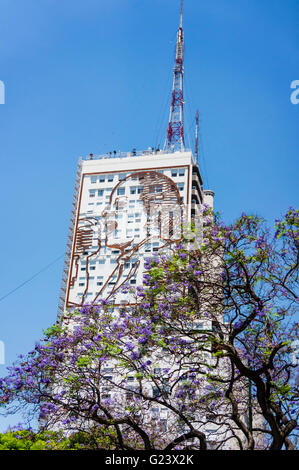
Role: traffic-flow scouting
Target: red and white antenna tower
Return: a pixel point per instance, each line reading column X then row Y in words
column 175, row 132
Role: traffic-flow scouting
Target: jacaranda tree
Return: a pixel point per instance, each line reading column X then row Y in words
column 205, row 358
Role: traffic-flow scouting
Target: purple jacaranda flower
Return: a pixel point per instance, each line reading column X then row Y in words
column 238, row 324
column 179, row 246
column 142, row 340
column 94, row 408
column 135, row 355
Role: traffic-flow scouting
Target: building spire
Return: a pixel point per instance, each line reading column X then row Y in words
column 175, row 133
column 181, row 16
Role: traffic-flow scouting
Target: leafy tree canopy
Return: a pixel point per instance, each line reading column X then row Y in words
column 204, row 359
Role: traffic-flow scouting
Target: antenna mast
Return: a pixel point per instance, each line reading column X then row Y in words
column 175, row 132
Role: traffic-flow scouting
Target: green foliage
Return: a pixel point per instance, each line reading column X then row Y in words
column 83, row 361
column 49, row 440
column 54, row 330
column 220, row 318
column 28, row 440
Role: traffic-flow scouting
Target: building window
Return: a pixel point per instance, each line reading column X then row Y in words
column 156, row 188
column 121, row 191
column 174, row 173
column 129, row 396
column 182, row 172
column 102, row 179
column 181, row 186
column 163, row 423
column 106, row 396
column 110, row 178
column 211, row 431
column 100, row 192
column 92, row 193
column 129, row 393
column 116, row 235
column 93, row 179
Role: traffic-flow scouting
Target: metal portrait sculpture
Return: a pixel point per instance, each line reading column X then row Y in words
column 160, row 219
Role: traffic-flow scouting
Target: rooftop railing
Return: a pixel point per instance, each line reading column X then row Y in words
column 133, row 153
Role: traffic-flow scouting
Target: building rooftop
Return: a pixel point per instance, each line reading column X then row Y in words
column 133, row 153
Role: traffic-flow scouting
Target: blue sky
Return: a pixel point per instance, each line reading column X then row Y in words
column 94, row 76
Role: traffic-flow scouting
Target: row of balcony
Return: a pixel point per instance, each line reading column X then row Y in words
column 69, row 243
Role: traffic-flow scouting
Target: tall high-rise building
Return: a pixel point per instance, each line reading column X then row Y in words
column 128, row 206
column 126, row 209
